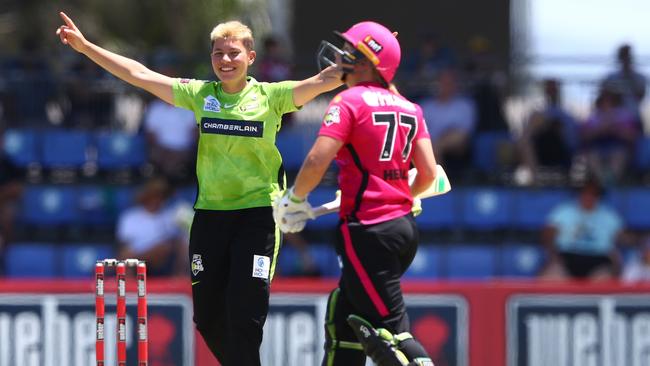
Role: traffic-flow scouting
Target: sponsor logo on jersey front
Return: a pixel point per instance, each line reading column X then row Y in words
column 232, row 127
column 333, row 115
column 211, row 104
column 261, row 266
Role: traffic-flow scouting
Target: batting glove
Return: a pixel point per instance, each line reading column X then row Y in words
column 291, row 213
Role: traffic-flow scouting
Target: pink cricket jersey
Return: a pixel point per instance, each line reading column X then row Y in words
column 378, row 129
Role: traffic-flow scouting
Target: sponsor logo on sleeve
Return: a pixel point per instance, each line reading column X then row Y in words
column 211, row 104
column 185, row 81
column 333, row 115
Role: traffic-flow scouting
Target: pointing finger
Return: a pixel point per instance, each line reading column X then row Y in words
column 67, row 20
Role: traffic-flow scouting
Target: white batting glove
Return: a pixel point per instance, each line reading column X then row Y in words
column 291, row 213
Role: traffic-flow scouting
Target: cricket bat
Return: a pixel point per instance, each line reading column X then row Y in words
column 440, row 185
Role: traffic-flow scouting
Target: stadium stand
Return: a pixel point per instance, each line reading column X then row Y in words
column 78, row 260
column 486, row 208
column 427, row 263
column 471, row 262
column 520, row 260
column 120, row 150
column 65, row 149
column 29, row 260
column 22, row 145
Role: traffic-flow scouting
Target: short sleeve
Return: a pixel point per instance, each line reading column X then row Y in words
column 337, row 122
column 281, row 97
column 423, row 130
column 185, row 92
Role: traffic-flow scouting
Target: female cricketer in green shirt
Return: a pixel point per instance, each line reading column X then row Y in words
column 234, row 240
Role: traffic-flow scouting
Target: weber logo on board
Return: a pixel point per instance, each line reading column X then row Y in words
column 568, row 330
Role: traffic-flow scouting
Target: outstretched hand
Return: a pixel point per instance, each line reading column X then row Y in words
column 334, row 74
column 70, row 34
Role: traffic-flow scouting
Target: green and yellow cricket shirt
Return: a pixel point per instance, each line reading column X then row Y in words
column 238, row 165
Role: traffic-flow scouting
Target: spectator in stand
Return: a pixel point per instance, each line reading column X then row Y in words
column 149, row 231
column 627, row 81
column 581, row 237
column 10, row 191
column 608, row 138
column 486, row 84
column 451, row 120
column 638, row 269
column 88, row 90
column 549, row 138
column 273, row 65
column 423, row 64
column 171, row 131
column 31, row 85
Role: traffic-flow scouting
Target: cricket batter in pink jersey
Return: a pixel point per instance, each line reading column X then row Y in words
column 374, row 134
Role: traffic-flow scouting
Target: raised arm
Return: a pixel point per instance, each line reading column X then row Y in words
column 122, row 67
column 324, row 81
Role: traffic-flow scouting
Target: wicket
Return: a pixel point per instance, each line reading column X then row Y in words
column 120, row 273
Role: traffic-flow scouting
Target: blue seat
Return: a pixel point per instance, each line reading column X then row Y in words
column 186, row 194
column 117, row 150
column 532, row 207
column 616, row 199
column 49, row 205
column 288, row 261
column 636, row 214
column 294, row 144
column 123, row 197
column 486, row 147
column 427, row 263
column 521, row 260
column 487, row 209
column 326, row 259
column 79, row 259
column 31, row 260
column 94, row 206
column 318, row 197
column 476, row 262
column 65, row 149
column 642, row 159
column 440, row 212
column 21, row 145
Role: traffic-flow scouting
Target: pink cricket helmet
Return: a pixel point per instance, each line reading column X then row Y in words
column 378, row 44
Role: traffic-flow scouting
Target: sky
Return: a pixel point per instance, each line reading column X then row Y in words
column 590, row 30
column 589, row 27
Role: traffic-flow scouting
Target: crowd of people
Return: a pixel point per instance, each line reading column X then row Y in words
column 461, row 97
column 233, row 157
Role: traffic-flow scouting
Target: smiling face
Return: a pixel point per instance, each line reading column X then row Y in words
column 230, row 61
